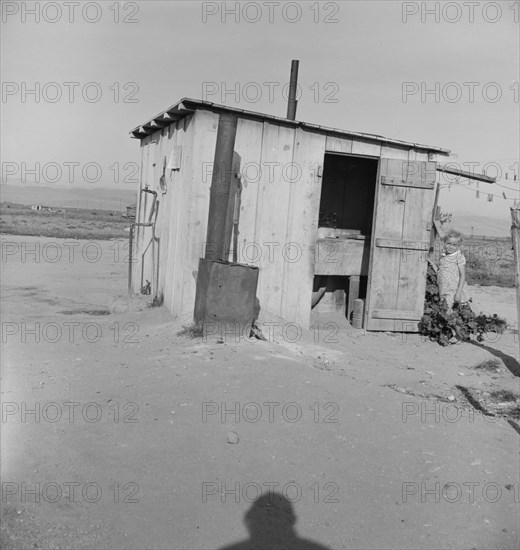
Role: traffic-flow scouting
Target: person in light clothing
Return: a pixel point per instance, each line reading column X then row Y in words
column 451, row 273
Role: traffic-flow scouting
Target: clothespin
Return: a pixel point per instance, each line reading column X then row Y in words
column 504, row 195
column 477, row 195
column 490, row 197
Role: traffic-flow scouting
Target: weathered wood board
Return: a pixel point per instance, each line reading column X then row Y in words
column 272, row 220
column 303, row 213
column 248, row 148
column 365, row 147
column 177, row 189
column 336, row 144
column 176, row 138
column 194, row 222
column 397, row 272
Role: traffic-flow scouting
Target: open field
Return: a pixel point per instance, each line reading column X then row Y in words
column 377, row 440
column 72, row 223
column 490, row 261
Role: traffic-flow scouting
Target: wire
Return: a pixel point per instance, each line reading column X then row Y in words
column 442, row 185
column 510, row 188
column 486, row 193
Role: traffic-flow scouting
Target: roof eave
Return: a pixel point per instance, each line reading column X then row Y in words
column 187, row 105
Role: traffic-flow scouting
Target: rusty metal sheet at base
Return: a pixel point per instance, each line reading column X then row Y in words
column 226, row 292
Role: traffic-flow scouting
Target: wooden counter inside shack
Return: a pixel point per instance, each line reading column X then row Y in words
column 344, row 254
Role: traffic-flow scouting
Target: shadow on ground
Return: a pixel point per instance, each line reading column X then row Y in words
column 510, row 362
column 270, row 522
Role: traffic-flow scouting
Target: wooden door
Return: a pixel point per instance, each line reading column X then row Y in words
column 399, row 245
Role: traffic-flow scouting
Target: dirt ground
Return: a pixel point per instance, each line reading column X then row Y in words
column 140, row 438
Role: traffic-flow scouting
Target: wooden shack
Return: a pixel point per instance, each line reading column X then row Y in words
column 313, row 201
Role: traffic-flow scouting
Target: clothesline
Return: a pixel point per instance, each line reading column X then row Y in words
column 447, row 184
column 489, row 194
column 510, row 188
column 444, row 185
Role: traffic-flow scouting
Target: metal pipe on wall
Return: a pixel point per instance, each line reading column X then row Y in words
column 130, row 255
column 220, row 186
column 293, row 86
column 137, row 224
column 152, row 209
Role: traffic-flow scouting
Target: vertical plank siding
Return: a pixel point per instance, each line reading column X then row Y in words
column 279, row 213
column 197, row 182
column 302, row 227
column 271, row 223
column 167, row 142
column 173, row 289
column 248, row 146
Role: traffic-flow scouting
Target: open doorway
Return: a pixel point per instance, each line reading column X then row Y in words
column 347, row 194
column 344, row 231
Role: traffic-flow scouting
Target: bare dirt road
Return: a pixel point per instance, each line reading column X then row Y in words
column 118, row 433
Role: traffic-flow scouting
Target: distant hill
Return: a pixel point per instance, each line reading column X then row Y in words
column 482, row 225
column 101, row 198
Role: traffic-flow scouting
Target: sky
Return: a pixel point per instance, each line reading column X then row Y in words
column 439, row 73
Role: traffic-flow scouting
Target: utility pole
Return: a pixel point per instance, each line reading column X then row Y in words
column 515, row 234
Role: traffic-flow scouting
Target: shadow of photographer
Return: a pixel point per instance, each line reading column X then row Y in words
column 270, row 522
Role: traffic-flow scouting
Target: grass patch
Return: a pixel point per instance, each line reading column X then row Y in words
column 498, row 403
column 490, row 273
column 489, row 261
column 504, row 396
column 157, row 301
column 490, row 365
column 504, row 403
column 192, row 331
column 94, row 312
column 71, row 223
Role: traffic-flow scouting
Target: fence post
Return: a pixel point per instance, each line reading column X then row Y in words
column 515, row 234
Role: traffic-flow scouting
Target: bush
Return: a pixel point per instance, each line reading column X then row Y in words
column 441, row 326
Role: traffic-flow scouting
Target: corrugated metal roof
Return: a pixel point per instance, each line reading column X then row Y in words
column 186, row 106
